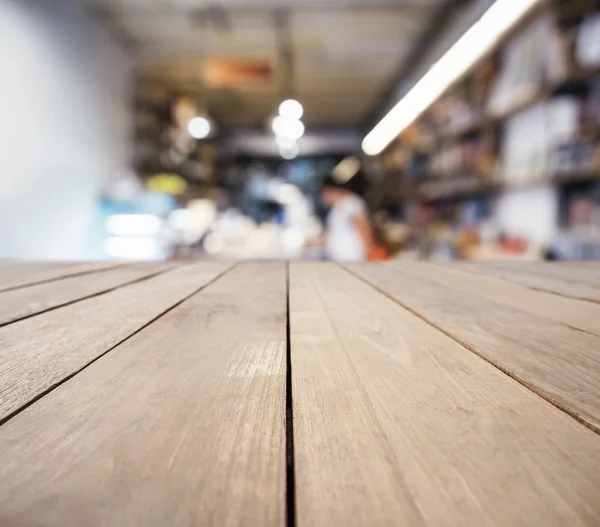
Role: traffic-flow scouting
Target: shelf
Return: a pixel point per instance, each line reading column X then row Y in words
column 580, row 75
column 577, row 78
column 481, row 187
column 473, row 129
column 544, row 94
column 575, row 10
column 477, row 188
column 578, row 177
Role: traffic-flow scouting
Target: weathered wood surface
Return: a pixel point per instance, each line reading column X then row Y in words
column 423, row 395
column 18, row 274
column 182, row 425
column 397, row 424
column 25, row 301
column 38, row 352
column 580, row 282
column 559, row 363
column 569, row 311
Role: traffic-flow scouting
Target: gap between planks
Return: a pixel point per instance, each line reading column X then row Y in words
column 85, row 296
column 571, row 312
column 544, row 279
column 290, row 491
column 74, row 272
column 530, row 386
column 397, row 424
column 290, row 502
column 65, row 379
column 189, row 415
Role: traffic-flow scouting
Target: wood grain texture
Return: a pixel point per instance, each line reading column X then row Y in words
column 38, row 352
column 555, row 270
column 577, row 283
column 559, row 363
column 571, row 312
column 397, row 424
column 182, row 425
column 25, row 301
column 19, row 274
column 589, row 264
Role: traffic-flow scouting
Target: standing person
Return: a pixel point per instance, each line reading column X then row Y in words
column 349, row 236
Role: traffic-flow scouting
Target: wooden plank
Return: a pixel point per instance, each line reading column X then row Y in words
column 397, row 424
column 19, row 274
column 182, row 425
column 571, row 287
column 559, row 363
column 574, row 313
column 589, row 264
column 25, row 301
column 555, row 270
column 39, row 352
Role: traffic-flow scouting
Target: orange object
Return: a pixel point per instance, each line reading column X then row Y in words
column 223, row 73
column 378, row 253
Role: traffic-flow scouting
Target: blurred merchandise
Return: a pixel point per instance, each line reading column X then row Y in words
column 513, row 135
column 532, row 137
column 588, row 42
column 579, row 236
column 218, row 133
column 575, row 157
column 525, row 67
column 167, row 183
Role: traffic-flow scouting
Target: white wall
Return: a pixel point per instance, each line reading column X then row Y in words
column 64, row 126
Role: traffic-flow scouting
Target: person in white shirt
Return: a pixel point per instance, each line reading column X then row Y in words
column 349, row 236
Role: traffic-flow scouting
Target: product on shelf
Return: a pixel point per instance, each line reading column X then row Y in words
column 575, row 157
column 532, row 137
column 591, row 110
column 588, row 42
column 579, row 236
column 525, row 67
column 528, row 114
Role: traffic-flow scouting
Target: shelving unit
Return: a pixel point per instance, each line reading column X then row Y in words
column 472, row 143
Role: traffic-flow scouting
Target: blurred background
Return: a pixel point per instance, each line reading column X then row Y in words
column 317, row 129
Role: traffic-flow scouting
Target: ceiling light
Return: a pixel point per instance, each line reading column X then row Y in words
column 287, row 127
column 289, row 152
column 199, row 127
column 291, row 108
column 479, row 39
column 284, row 142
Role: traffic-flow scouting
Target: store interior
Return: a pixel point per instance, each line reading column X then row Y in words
column 301, row 129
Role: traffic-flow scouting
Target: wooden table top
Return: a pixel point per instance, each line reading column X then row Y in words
column 308, row 394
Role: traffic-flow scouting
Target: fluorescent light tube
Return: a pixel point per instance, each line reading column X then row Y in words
column 479, row 39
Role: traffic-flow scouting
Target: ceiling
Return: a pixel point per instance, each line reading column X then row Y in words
column 336, row 57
